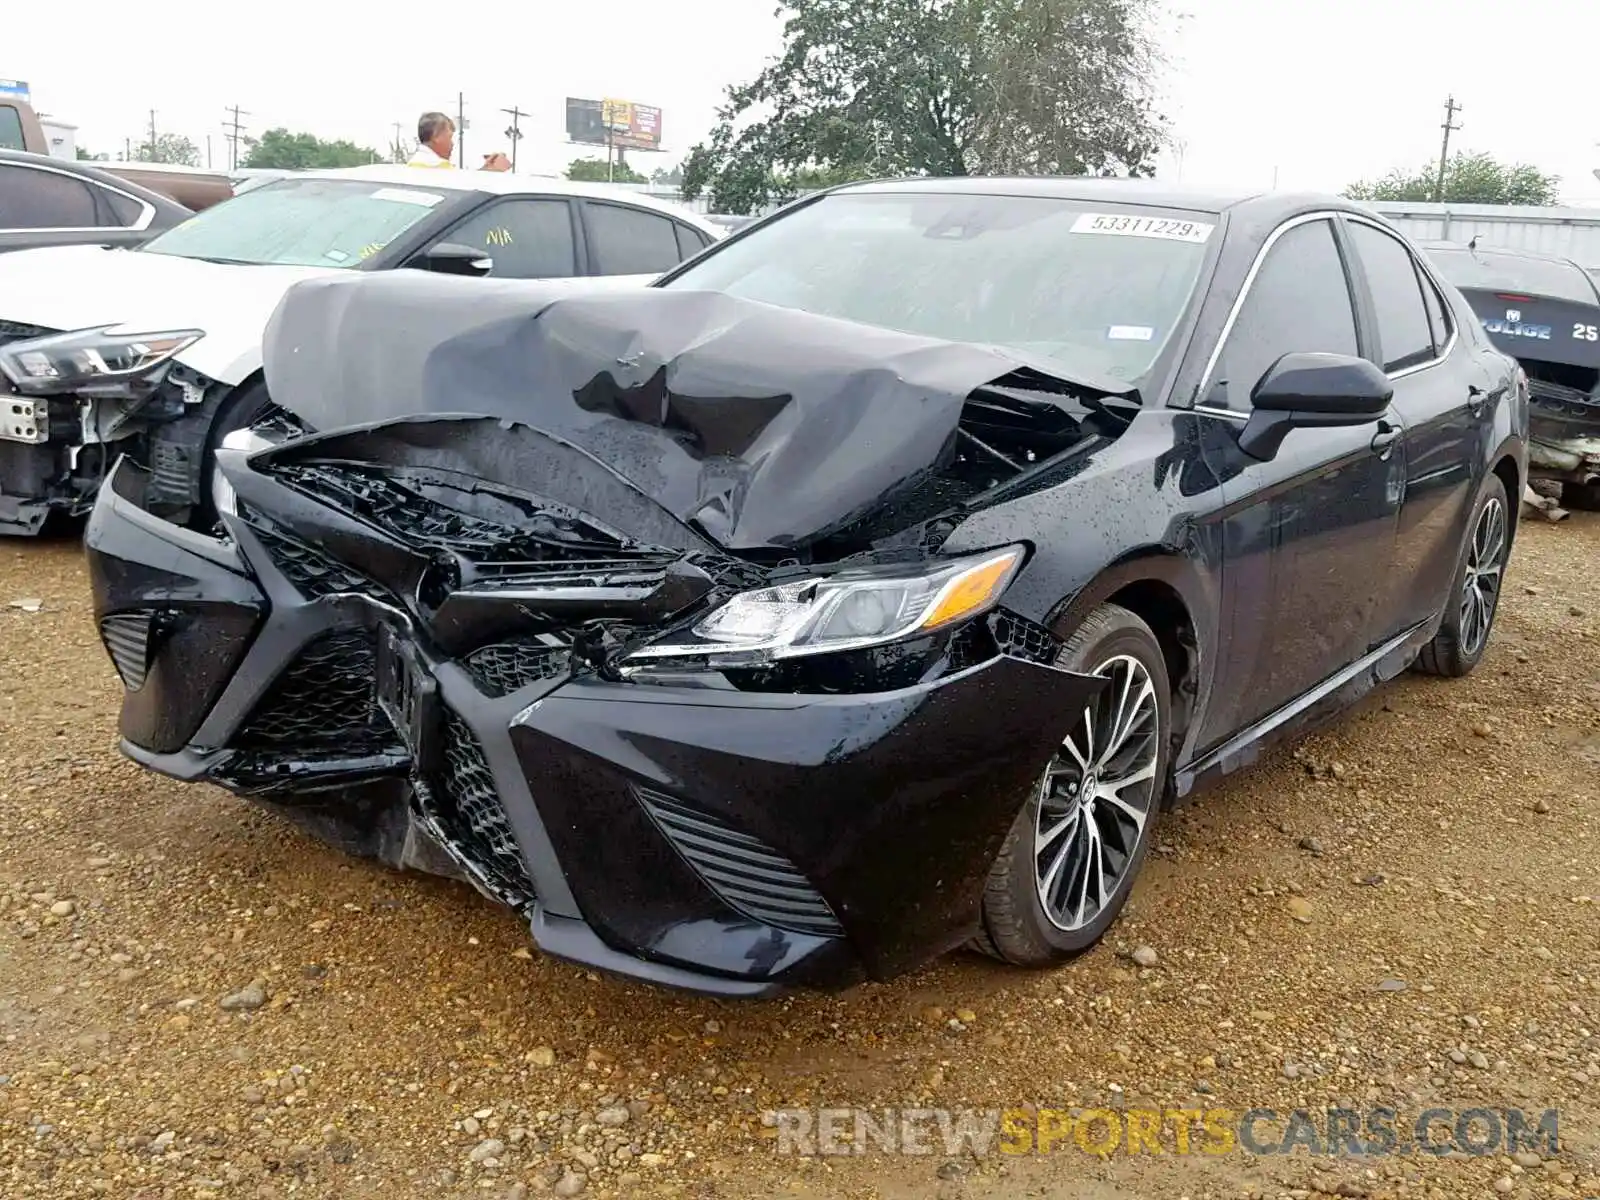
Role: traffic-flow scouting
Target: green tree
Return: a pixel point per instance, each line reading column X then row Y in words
column 1468, row 179
column 938, row 87
column 85, row 156
column 281, row 150
column 667, row 176
column 594, row 170
column 170, row 148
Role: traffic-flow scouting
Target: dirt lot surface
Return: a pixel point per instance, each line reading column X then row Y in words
column 196, row 1000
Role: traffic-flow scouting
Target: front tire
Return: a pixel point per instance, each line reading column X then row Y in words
column 1459, row 645
column 1070, row 860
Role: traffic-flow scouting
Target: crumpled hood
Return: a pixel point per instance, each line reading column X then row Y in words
column 79, row 287
column 763, row 427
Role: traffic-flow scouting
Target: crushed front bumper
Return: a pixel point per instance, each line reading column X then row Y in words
column 727, row 841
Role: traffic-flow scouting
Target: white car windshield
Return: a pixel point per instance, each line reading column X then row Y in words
column 1100, row 287
column 300, row 222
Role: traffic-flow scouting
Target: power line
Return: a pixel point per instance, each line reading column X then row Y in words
column 235, row 129
column 1451, row 108
column 515, row 132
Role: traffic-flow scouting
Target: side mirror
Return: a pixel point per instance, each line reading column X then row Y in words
column 452, row 258
column 1312, row 390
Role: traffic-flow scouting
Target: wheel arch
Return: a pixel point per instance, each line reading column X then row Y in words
column 1164, row 590
column 1506, row 468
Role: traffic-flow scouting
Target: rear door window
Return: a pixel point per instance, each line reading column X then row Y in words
column 527, row 239
column 34, row 198
column 1405, row 335
column 630, row 241
column 1440, row 324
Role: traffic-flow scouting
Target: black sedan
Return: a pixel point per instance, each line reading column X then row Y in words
column 866, row 588
column 56, row 202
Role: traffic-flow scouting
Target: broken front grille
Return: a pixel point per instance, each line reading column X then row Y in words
column 507, row 667
column 313, row 573
column 748, row 875
column 466, row 806
column 325, row 699
column 537, row 532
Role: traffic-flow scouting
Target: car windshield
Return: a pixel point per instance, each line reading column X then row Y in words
column 1096, row 287
column 300, row 222
column 1487, row 271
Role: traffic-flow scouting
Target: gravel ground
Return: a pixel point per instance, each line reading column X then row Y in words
column 196, row 1000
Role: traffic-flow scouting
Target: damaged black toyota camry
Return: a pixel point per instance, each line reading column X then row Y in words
column 865, row 588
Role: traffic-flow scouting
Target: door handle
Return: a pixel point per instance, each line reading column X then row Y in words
column 1383, row 441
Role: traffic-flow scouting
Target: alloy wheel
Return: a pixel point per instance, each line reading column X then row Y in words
column 1096, row 798
column 1481, row 587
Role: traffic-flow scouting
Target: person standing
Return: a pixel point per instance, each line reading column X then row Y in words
column 436, row 142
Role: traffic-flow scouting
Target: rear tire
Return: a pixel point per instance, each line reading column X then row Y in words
column 1474, row 600
column 1070, row 860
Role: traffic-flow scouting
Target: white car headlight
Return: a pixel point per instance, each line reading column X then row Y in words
column 846, row 610
column 107, row 361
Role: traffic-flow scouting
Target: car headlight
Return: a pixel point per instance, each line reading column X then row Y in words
column 846, row 610
column 223, row 497
column 106, row 361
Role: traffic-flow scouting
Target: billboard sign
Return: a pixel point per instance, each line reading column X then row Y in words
column 619, row 123
column 14, row 89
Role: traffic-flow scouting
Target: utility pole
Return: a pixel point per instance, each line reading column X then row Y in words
column 1451, row 108
column 152, row 157
column 234, row 129
column 461, row 130
column 398, row 146
column 515, row 132
column 208, row 152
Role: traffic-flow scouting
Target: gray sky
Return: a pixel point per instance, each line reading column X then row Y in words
column 1318, row 92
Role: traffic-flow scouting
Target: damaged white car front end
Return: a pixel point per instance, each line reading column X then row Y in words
column 71, row 402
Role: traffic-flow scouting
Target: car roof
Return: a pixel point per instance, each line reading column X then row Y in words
column 92, row 169
column 504, row 183
column 1118, row 190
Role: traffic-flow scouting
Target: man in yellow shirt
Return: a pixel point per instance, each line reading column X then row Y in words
column 436, row 141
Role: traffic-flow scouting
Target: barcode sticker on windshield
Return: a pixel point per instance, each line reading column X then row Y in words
column 1149, row 227
column 407, row 196
column 1130, row 333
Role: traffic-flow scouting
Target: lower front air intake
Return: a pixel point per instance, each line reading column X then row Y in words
column 749, row 876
